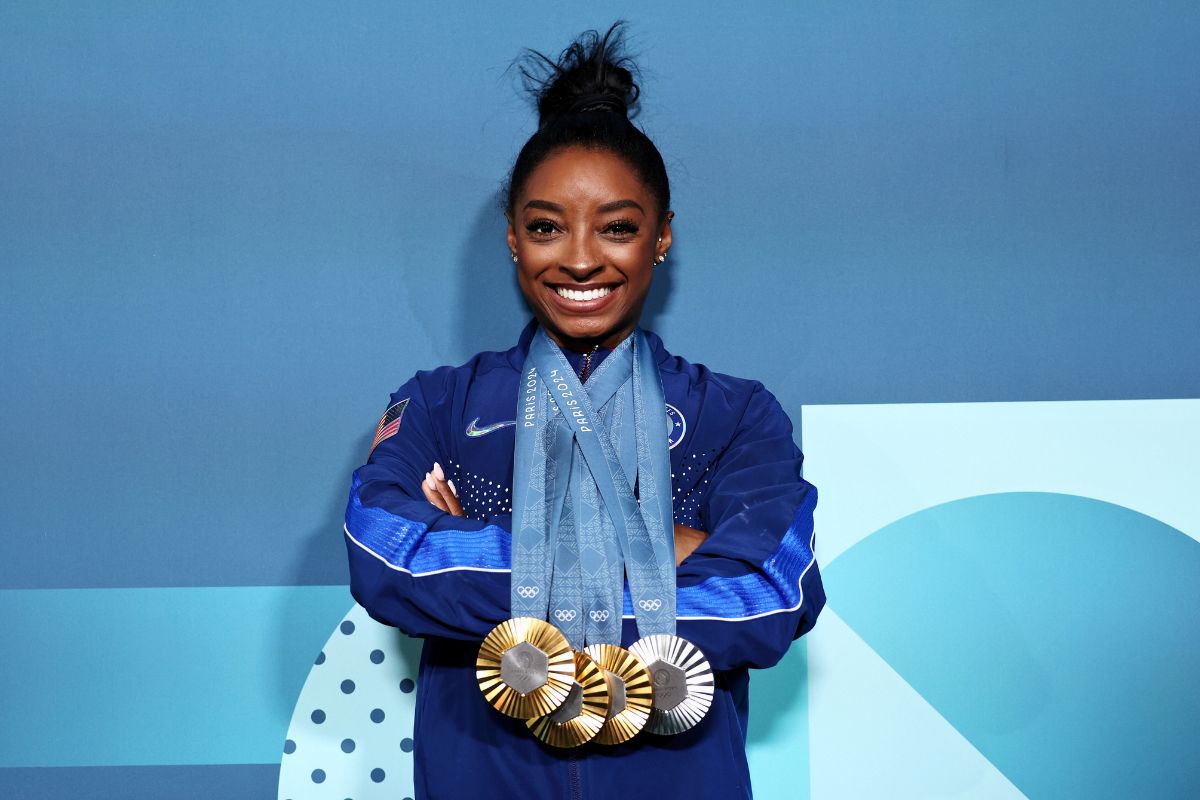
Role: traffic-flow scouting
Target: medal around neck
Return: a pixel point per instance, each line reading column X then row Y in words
column 525, row 668
column 581, row 717
column 579, row 453
column 631, row 694
column 683, row 682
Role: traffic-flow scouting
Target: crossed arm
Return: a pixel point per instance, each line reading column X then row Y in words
column 440, row 492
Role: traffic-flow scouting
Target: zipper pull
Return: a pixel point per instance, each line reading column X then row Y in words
column 587, row 364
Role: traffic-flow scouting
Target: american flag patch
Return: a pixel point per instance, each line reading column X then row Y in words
column 389, row 423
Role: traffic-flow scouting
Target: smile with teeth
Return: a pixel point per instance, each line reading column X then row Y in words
column 587, row 294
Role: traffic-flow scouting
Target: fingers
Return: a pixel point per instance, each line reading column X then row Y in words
column 441, row 492
column 429, row 488
column 450, row 497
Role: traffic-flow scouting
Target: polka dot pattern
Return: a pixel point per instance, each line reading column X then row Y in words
column 481, row 497
column 689, row 486
column 356, row 706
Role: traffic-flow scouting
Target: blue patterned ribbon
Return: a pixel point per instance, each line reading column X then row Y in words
column 578, row 526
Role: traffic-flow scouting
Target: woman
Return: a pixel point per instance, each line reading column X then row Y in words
column 430, row 525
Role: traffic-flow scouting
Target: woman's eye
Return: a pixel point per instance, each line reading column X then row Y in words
column 540, row 227
column 623, row 229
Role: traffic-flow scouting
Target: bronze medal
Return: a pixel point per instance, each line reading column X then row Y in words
column 683, row 682
column 525, row 668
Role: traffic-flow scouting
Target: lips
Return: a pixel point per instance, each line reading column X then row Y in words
column 583, row 299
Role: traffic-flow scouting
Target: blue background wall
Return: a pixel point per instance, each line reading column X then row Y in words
column 228, row 232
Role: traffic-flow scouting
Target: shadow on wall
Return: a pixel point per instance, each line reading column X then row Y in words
column 489, row 309
column 321, row 556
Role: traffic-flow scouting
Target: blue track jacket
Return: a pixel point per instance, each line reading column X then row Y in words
column 743, row 595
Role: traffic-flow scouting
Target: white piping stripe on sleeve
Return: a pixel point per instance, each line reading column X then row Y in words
column 811, row 544
column 800, row 582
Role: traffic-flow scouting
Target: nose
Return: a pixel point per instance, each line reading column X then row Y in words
column 581, row 272
column 583, row 259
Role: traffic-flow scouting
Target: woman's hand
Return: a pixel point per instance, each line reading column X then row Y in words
column 686, row 541
column 441, row 492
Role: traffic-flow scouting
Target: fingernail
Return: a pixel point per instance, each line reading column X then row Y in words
column 429, row 481
column 437, row 471
column 451, row 484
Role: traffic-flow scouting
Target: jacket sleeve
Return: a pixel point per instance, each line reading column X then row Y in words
column 422, row 570
column 753, row 585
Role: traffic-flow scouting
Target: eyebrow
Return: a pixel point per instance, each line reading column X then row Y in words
column 615, row 205
column 545, row 205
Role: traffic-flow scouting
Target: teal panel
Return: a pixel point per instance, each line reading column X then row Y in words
column 1056, row 633
column 777, row 746
column 110, row 677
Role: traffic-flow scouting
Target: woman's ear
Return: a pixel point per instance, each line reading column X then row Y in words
column 664, row 236
column 512, row 238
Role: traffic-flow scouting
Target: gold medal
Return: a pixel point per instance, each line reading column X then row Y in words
column 683, row 682
column 580, row 718
column 631, row 694
column 525, row 668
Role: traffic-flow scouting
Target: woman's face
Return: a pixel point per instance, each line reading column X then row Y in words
column 586, row 233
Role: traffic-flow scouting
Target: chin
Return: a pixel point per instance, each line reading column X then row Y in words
column 583, row 329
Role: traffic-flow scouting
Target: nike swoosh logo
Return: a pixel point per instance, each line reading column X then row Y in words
column 486, row 429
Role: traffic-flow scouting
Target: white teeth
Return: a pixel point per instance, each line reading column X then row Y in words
column 580, row 296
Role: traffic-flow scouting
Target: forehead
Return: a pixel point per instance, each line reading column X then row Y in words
column 578, row 177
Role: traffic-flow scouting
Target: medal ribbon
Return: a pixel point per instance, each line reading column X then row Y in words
column 578, row 527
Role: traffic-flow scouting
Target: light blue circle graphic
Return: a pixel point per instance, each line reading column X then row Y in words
column 1056, row 633
column 352, row 711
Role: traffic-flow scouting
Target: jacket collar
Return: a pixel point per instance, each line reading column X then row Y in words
column 516, row 355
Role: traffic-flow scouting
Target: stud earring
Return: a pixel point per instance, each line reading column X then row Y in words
column 514, row 257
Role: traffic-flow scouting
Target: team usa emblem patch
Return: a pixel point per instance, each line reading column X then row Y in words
column 389, row 423
column 676, row 426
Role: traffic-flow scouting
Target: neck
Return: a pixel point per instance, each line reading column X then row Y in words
column 588, row 344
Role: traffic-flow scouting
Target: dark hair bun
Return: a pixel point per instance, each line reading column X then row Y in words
column 592, row 75
column 586, row 98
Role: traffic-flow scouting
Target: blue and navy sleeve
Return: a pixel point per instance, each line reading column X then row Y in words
column 413, row 566
column 753, row 585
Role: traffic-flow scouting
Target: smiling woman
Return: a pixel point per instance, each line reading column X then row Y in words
column 606, row 586
column 586, row 234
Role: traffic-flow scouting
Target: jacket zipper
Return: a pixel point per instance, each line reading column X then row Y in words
column 574, row 780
